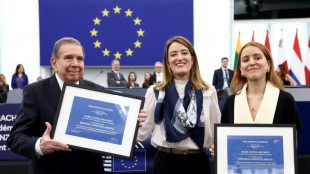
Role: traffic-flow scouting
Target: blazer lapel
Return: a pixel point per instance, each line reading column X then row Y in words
column 53, row 92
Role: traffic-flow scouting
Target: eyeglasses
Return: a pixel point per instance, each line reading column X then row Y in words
column 158, row 67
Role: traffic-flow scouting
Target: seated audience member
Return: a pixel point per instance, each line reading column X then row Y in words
column 132, row 77
column 39, row 78
column 19, row 79
column 285, row 77
column 146, row 80
column 158, row 74
column 4, row 89
column 115, row 78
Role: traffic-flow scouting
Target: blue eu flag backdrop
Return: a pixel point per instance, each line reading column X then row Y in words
column 133, row 31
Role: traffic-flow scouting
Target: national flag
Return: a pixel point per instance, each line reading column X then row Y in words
column 282, row 59
column 307, row 63
column 238, row 48
column 134, row 32
column 267, row 44
column 252, row 37
column 297, row 68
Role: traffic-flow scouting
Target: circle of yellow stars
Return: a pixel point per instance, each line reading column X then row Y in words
column 130, row 166
column 136, row 22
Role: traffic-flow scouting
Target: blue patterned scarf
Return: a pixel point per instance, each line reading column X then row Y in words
column 181, row 120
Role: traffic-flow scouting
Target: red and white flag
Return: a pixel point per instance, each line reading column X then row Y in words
column 267, row 44
column 252, row 40
column 282, row 59
column 307, row 63
column 297, row 67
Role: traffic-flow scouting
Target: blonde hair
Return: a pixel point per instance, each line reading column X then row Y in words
column 195, row 77
column 238, row 81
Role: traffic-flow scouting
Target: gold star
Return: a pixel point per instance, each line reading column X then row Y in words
column 137, row 21
column 105, row 12
column 94, row 32
column 106, row 52
column 97, row 44
column 129, row 52
column 117, row 55
column 137, row 44
column 97, row 21
column 117, row 10
column 128, row 13
column 140, row 32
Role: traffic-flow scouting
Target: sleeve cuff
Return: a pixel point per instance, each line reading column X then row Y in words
column 38, row 149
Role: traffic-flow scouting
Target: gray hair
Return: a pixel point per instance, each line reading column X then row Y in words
column 65, row 40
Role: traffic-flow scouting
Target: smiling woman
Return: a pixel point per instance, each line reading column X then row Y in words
column 259, row 96
column 178, row 109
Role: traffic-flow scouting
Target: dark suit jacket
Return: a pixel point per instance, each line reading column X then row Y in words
column 39, row 105
column 112, row 78
column 218, row 80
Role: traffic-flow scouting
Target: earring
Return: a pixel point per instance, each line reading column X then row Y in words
column 268, row 70
column 242, row 74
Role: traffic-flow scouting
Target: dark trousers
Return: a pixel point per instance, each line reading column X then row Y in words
column 167, row 163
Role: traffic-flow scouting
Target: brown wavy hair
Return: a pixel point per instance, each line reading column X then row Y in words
column 195, row 77
column 238, row 81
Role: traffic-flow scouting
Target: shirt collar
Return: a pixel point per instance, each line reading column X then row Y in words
column 61, row 83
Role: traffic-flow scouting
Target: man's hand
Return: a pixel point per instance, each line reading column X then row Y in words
column 211, row 149
column 141, row 117
column 48, row 145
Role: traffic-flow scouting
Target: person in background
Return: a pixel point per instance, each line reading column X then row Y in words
column 115, row 78
column 222, row 77
column 19, row 79
column 39, row 78
column 4, row 89
column 258, row 97
column 146, row 80
column 132, row 77
column 287, row 80
column 181, row 111
column 158, row 74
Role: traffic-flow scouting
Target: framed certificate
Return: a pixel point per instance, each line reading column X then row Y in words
column 97, row 120
column 255, row 148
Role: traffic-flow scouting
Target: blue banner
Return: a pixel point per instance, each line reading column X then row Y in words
column 8, row 114
column 133, row 31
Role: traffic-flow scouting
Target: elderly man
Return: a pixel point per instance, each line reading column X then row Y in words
column 115, row 78
column 158, row 74
column 30, row 136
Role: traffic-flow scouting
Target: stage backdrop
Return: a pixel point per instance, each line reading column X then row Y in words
column 134, row 32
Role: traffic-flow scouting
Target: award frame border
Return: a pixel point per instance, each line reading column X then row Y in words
column 230, row 129
column 125, row 149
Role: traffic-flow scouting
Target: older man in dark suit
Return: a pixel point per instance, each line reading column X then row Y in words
column 223, row 76
column 115, row 78
column 30, row 136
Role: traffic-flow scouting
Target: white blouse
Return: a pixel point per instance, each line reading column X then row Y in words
column 211, row 114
